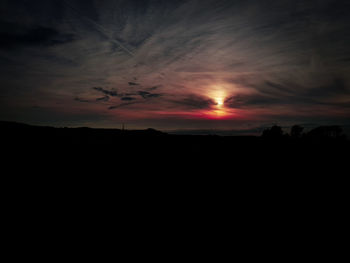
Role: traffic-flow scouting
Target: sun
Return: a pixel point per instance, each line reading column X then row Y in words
column 219, row 102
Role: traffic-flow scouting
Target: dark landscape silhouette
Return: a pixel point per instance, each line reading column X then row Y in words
column 69, row 172
column 151, row 148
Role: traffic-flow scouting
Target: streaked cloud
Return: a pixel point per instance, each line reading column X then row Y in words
column 112, row 93
column 269, row 61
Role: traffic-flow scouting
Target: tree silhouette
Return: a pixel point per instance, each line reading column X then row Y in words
column 273, row 133
column 296, row 131
column 327, row 132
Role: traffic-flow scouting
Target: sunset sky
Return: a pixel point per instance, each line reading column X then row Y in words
column 175, row 65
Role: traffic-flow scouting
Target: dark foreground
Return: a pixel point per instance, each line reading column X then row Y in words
column 78, row 189
column 144, row 153
column 108, row 161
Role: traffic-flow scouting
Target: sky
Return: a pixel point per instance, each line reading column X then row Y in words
column 175, row 65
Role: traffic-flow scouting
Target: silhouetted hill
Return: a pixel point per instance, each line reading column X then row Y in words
column 9, row 127
column 152, row 146
column 73, row 169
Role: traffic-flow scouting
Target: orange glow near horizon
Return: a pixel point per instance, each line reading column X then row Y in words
column 218, row 113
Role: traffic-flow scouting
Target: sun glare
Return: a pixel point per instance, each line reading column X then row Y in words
column 219, row 111
column 219, row 102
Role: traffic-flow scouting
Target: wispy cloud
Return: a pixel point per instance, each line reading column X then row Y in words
column 133, row 84
column 122, row 105
column 264, row 57
column 105, row 98
column 128, row 98
column 14, row 36
column 146, row 94
column 112, row 93
column 81, row 100
column 193, row 101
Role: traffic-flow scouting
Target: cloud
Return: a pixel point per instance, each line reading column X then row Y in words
column 128, row 98
column 285, row 54
column 155, row 87
column 105, row 98
column 111, row 93
column 194, row 102
column 13, row 35
column 132, row 100
column 81, row 100
column 334, row 91
column 248, row 101
column 122, row 105
column 336, row 87
column 148, row 95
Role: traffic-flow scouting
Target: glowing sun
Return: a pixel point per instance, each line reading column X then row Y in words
column 219, row 102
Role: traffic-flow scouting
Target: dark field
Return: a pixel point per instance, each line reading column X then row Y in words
column 72, row 180
column 49, row 150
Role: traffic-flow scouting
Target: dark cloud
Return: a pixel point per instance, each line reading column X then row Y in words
column 286, row 92
column 81, row 100
column 246, row 101
column 128, row 98
column 122, row 105
column 129, row 94
column 105, row 98
column 147, row 95
column 270, row 94
column 195, row 102
column 277, row 87
column 133, row 84
column 337, row 87
column 155, row 87
column 15, row 36
column 112, row 93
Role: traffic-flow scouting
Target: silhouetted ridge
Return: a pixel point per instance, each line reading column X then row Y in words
column 320, row 134
column 121, row 154
column 13, row 125
column 6, row 126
